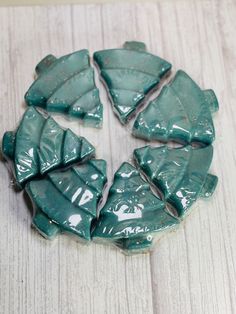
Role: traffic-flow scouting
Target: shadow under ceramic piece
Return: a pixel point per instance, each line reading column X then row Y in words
column 182, row 113
column 39, row 145
column 67, row 200
column 132, row 213
column 180, row 174
column 66, row 85
column 129, row 73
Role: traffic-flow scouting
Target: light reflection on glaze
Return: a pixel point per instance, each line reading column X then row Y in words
column 74, row 220
column 124, row 212
column 76, row 194
column 86, row 197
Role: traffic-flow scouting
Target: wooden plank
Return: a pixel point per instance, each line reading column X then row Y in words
column 197, row 262
column 57, row 2
column 190, row 271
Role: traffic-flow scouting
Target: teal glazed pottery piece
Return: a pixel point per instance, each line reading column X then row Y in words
column 182, row 113
column 39, row 145
column 180, row 174
column 132, row 213
column 66, row 85
column 76, row 193
column 129, row 74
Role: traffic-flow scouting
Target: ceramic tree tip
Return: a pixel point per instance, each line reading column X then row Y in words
column 100, row 165
column 139, row 154
column 8, row 143
column 86, row 148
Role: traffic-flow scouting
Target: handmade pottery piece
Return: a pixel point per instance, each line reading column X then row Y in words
column 129, row 73
column 67, row 200
column 66, row 85
column 39, row 145
column 180, row 174
column 132, row 213
column 182, row 113
column 66, row 196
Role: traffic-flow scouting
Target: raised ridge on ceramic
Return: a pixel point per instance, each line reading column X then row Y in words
column 180, row 174
column 132, row 213
column 182, row 113
column 67, row 85
column 129, row 73
column 39, row 145
column 76, row 193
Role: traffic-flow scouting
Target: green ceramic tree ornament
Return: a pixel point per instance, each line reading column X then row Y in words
column 180, row 174
column 182, row 113
column 132, row 213
column 39, row 145
column 129, row 74
column 76, row 193
column 66, row 85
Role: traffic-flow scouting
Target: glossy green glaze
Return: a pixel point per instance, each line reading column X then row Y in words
column 67, row 85
column 132, row 213
column 182, row 112
column 180, row 174
column 129, row 73
column 40, row 145
column 76, row 193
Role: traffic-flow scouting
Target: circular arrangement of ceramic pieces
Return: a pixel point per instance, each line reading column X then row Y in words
column 59, row 171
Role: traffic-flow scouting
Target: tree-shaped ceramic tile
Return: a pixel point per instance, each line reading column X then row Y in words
column 182, row 112
column 67, row 200
column 129, row 73
column 132, row 213
column 39, row 145
column 66, row 85
column 180, row 174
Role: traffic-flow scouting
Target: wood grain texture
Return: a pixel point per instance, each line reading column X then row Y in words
column 190, row 271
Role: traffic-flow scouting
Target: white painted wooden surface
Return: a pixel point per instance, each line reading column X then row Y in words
column 192, row 271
